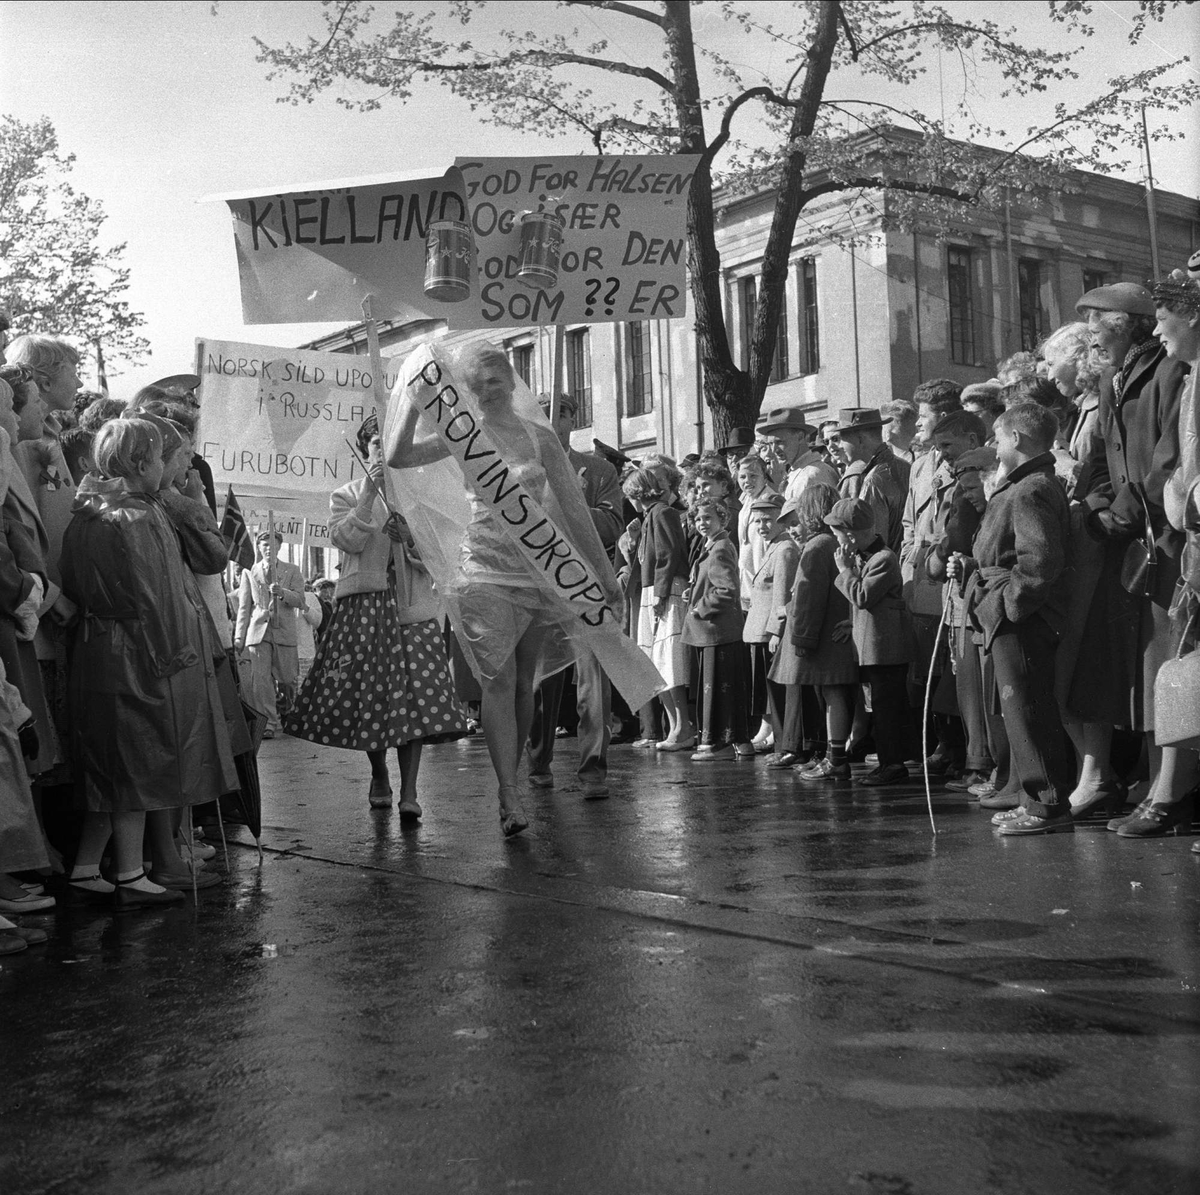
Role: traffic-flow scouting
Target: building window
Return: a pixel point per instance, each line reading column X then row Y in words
column 779, row 360
column 1092, row 279
column 579, row 375
column 1029, row 303
column 748, row 292
column 810, row 341
column 962, row 305
column 522, row 362
column 639, row 379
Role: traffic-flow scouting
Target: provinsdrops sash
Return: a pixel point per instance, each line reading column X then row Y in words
column 584, row 592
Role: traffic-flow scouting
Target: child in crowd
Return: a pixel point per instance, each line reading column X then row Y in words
column 869, row 576
column 663, row 562
column 1015, row 597
column 770, row 589
column 714, row 626
column 817, row 649
column 145, row 715
column 270, row 594
column 76, row 444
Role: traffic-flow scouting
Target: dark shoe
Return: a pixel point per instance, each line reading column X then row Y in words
column 380, row 795
column 939, row 765
column 12, row 943
column 410, row 811
column 1106, row 801
column 744, row 750
column 594, row 790
column 1001, row 800
column 541, row 780
column 893, row 773
column 1159, row 820
column 788, row 759
column 823, row 771
column 1025, row 823
column 1117, row 822
column 132, row 898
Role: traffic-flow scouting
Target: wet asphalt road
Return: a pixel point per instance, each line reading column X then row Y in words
column 715, row 981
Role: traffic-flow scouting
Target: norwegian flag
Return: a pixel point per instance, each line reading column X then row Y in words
column 236, row 533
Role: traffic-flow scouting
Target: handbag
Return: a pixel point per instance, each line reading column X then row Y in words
column 1139, row 568
column 1177, row 699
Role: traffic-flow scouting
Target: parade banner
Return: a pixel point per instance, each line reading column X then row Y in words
column 314, row 254
column 623, row 247
column 290, row 526
column 274, row 423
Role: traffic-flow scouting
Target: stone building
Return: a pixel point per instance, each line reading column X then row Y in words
column 861, row 324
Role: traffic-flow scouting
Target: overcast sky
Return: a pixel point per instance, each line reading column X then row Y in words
column 163, row 103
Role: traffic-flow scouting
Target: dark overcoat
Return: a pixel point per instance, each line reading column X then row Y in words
column 816, row 608
column 664, row 551
column 714, row 613
column 874, row 587
column 1017, row 572
column 883, row 483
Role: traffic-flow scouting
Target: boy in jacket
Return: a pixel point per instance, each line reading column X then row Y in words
column 869, row 576
column 1016, row 600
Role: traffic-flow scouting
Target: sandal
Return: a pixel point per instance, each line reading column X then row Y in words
column 512, row 819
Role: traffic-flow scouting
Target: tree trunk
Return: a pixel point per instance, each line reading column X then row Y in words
column 788, row 203
column 726, row 387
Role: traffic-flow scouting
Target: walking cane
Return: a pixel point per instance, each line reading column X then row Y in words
column 925, row 709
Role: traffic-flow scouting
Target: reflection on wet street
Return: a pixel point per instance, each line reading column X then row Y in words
column 713, row 981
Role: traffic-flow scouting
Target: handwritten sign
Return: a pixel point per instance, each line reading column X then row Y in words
column 274, row 422
column 289, row 525
column 624, row 245
column 316, row 254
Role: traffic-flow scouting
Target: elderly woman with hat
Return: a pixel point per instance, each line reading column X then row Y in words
column 791, row 435
column 1168, row 806
column 1139, row 423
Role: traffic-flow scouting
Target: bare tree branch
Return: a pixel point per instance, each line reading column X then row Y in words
column 628, row 10
column 883, row 184
column 345, row 8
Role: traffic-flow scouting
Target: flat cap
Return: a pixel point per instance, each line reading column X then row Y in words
column 851, row 513
column 1130, row 297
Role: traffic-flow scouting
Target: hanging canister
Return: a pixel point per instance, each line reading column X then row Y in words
column 448, row 261
column 541, row 248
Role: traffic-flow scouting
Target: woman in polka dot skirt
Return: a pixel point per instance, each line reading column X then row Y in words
column 380, row 678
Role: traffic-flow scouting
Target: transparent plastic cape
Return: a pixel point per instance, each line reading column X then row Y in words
column 533, row 509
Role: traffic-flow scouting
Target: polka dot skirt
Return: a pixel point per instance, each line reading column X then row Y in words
column 376, row 684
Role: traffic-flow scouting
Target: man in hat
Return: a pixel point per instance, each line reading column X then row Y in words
column 790, row 436
column 269, row 596
column 593, row 691
column 741, row 440
column 873, row 473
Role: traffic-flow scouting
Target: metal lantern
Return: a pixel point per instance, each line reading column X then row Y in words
column 448, row 261
column 541, row 248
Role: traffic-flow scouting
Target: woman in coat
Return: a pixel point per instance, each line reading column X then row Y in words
column 1139, row 423
column 1092, row 689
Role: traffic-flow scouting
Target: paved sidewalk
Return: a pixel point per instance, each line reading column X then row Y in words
column 717, row 980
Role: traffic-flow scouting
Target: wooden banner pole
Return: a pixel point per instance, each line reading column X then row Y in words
column 381, row 393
